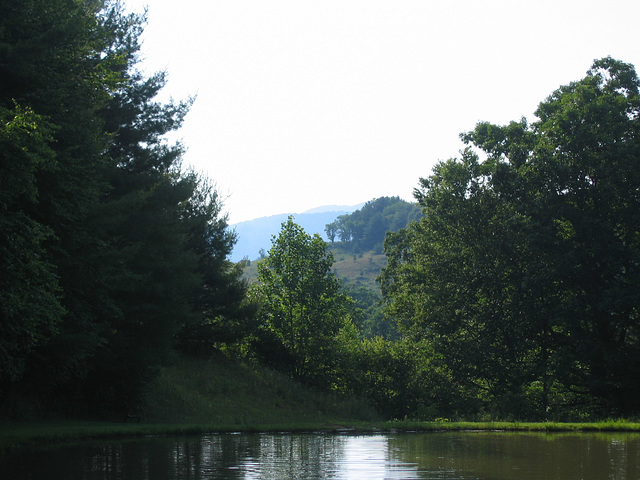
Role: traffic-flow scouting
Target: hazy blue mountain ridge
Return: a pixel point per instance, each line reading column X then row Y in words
column 254, row 235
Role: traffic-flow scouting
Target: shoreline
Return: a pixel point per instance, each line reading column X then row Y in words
column 23, row 435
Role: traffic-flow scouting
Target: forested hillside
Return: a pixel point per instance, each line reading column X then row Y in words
column 356, row 239
column 357, row 259
column 365, row 229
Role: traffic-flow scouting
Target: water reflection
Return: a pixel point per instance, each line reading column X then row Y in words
column 468, row 456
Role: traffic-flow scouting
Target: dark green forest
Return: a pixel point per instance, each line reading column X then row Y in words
column 113, row 257
column 510, row 291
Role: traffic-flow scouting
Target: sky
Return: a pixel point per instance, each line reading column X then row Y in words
column 304, row 103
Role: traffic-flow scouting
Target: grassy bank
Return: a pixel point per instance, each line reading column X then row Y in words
column 196, row 396
column 611, row 425
column 226, row 393
column 16, row 435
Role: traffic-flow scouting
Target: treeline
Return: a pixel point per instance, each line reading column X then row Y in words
column 112, row 256
column 365, row 229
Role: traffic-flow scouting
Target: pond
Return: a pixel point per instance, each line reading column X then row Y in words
column 460, row 456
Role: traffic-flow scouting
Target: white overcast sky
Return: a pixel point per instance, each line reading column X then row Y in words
column 307, row 103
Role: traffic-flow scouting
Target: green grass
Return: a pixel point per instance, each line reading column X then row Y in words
column 16, row 435
column 250, row 271
column 196, row 396
column 618, row 425
column 360, row 269
column 223, row 392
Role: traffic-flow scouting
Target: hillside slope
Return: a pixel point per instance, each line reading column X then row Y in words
column 355, row 270
column 220, row 391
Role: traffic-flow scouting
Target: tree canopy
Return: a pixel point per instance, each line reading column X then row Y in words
column 513, row 281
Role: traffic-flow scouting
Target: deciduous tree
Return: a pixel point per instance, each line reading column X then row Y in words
column 524, row 269
column 302, row 306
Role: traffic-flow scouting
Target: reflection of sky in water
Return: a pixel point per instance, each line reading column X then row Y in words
column 370, row 458
column 324, row 456
column 366, row 457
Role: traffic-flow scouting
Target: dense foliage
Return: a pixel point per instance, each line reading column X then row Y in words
column 523, row 273
column 111, row 254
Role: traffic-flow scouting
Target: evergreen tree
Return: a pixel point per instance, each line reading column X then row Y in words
column 122, row 250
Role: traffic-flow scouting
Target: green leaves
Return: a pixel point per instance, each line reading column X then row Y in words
column 301, row 302
column 30, row 307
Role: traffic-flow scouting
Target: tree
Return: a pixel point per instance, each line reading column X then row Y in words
column 30, row 307
column 367, row 315
column 331, row 230
column 455, row 277
column 52, row 81
column 521, row 270
column 401, row 378
column 302, row 307
column 111, row 251
column 222, row 315
column 592, row 180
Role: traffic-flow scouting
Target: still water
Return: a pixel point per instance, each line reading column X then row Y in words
column 460, row 456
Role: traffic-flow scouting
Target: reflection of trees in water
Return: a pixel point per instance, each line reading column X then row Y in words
column 280, row 456
column 231, row 456
column 461, row 455
column 298, row 456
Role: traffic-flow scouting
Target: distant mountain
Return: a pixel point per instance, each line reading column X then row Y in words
column 254, row 235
